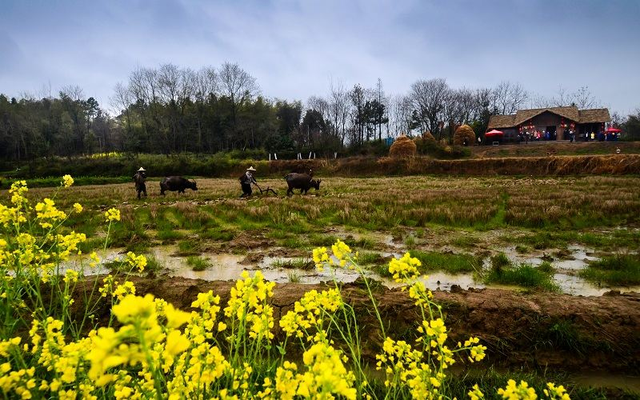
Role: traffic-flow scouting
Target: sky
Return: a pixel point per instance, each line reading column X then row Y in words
column 297, row 49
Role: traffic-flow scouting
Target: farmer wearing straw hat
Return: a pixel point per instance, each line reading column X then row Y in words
column 139, row 178
column 246, row 180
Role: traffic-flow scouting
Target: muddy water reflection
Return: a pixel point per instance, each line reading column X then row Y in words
column 230, row 266
column 443, row 281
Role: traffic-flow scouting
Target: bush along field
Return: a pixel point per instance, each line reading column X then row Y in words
column 52, row 345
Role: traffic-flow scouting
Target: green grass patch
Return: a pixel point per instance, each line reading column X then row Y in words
column 466, row 241
column 316, row 239
column 136, row 239
column 187, row 247
column 121, row 266
column 293, row 277
column 54, row 181
column 617, row 270
column 362, row 243
column 293, row 242
column 169, row 236
column 296, row 263
column 564, row 335
column 489, row 380
column 218, row 235
column 198, row 263
column 523, row 275
column 91, row 244
column 546, row 267
column 452, row 263
column 410, row 241
column 370, row 258
column 153, row 265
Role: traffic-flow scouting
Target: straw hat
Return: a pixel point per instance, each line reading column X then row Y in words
column 142, row 170
column 251, row 169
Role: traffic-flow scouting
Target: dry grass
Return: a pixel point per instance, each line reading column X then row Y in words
column 580, row 207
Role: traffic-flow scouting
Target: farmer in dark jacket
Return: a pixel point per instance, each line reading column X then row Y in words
column 139, row 178
column 246, row 180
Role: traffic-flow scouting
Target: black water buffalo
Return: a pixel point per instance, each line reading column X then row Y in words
column 304, row 182
column 173, row 183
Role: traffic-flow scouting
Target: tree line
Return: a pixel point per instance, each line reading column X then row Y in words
column 169, row 109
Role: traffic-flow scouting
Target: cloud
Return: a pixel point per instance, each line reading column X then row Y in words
column 296, row 48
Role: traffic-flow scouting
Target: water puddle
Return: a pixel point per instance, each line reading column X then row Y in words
column 577, row 258
column 576, row 286
column 81, row 265
column 225, row 267
column 629, row 383
column 443, row 281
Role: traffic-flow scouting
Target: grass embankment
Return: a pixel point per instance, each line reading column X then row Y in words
column 617, row 270
column 505, row 162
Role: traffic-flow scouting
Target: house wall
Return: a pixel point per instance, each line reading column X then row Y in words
column 549, row 119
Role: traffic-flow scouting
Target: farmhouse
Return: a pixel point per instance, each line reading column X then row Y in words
column 558, row 122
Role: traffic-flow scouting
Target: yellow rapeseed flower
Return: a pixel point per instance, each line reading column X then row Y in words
column 521, row 391
column 136, row 261
column 405, row 268
column 556, row 392
column 67, row 181
column 340, row 250
column 475, row 393
column 112, row 214
column 176, row 343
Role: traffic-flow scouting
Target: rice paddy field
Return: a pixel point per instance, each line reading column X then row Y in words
column 545, row 270
column 455, row 225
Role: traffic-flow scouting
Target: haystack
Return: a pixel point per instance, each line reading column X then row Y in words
column 428, row 136
column 464, row 132
column 403, row 147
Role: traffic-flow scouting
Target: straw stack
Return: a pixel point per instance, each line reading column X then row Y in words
column 464, row 132
column 403, row 147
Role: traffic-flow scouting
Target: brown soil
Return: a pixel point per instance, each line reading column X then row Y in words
column 554, row 331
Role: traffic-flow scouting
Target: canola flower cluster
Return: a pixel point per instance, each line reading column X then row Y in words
column 158, row 351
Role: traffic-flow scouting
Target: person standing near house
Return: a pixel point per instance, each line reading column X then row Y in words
column 246, row 180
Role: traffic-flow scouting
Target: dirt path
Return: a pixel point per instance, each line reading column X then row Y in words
column 552, row 331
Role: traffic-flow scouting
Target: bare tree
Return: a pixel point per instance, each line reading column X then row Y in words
column 206, row 83
column 400, row 115
column 583, row 99
column 428, row 99
column 339, row 110
column 73, row 92
column 237, row 84
column 509, row 97
column 321, row 105
column 542, row 102
column 169, row 83
column 482, row 107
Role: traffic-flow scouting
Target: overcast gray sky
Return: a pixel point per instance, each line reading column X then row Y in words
column 295, row 49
